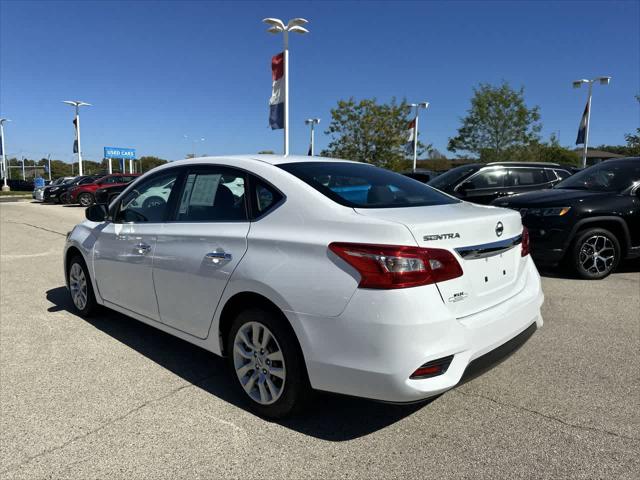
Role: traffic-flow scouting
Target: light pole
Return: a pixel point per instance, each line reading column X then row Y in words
column 578, row 84
column 194, row 140
column 5, row 187
column 417, row 106
column 313, row 122
column 77, row 104
column 277, row 26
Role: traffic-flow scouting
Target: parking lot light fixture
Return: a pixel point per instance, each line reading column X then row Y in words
column 194, row 140
column 294, row 25
column 77, row 104
column 417, row 106
column 313, row 122
column 5, row 187
column 577, row 84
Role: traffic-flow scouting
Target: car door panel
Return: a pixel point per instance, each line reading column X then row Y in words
column 123, row 261
column 188, row 280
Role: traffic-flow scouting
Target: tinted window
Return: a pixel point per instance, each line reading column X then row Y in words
column 213, row 196
column 360, row 185
column 608, row 176
column 452, row 177
column 487, row 179
column 148, row 201
column 520, row 177
column 125, row 179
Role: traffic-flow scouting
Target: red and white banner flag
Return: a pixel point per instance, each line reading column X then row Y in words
column 276, row 102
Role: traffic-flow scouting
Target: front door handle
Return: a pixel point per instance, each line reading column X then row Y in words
column 216, row 258
column 142, row 248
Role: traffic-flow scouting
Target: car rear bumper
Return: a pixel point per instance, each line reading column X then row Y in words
column 382, row 337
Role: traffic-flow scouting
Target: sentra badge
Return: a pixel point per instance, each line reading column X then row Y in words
column 441, row 236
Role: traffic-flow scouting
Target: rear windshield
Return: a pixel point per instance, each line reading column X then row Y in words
column 360, row 185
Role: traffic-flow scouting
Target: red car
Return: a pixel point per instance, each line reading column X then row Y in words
column 84, row 194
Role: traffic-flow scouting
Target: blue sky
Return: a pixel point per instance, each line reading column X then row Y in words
column 155, row 71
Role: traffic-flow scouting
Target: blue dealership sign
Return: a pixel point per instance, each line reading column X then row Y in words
column 118, row 152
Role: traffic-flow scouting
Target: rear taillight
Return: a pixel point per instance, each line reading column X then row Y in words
column 391, row 266
column 525, row 242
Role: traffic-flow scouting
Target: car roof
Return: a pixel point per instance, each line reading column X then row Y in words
column 265, row 158
column 525, row 164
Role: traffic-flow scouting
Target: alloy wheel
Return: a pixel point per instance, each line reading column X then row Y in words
column 259, row 363
column 85, row 200
column 597, row 254
column 78, row 286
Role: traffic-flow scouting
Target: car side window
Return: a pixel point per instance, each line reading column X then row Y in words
column 213, row 195
column 265, row 197
column 522, row 177
column 147, row 202
column 487, row 179
column 562, row 174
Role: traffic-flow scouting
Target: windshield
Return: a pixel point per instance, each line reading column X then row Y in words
column 452, row 177
column 360, row 185
column 608, row 176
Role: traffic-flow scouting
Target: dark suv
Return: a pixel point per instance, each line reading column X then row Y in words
column 483, row 183
column 590, row 220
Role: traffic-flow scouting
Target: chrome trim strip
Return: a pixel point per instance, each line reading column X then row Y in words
column 488, row 249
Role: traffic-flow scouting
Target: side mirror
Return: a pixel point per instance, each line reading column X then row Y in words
column 96, row 213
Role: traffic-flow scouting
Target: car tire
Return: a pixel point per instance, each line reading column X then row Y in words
column 80, row 287
column 85, row 199
column 271, row 375
column 63, row 198
column 595, row 253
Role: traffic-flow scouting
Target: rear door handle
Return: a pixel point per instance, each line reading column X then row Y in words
column 142, row 248
column 216, row 258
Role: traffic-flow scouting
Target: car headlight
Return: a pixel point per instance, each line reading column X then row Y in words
column 53, row 189
column 549, row 212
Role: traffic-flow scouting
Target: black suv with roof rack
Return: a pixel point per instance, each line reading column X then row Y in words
column 484, row 182
column 590, row 221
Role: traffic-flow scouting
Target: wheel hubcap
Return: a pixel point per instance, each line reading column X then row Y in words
column 259, row 363
column 597, row 254
column 78, row 286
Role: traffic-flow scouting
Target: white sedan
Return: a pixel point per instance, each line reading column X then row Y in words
column 311, row 273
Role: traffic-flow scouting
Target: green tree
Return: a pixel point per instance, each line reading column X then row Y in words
column 370, row 132
column 633, row 140
column 497, row 121
column 149, row 162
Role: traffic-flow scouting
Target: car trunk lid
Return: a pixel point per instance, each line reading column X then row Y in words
column 485, row 240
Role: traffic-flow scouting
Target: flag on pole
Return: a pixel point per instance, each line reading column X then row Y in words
column 276, row 102
column 75, row 142
column 1, row 144
column 582, row 129
column 411, row 131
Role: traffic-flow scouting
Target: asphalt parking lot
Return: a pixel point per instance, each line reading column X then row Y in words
column 112, row 398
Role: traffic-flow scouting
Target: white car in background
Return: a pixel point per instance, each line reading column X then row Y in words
column 311, row 273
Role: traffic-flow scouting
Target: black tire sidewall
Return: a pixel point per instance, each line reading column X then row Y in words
column 91, row 304
column 577, row 245
column 296, row 389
